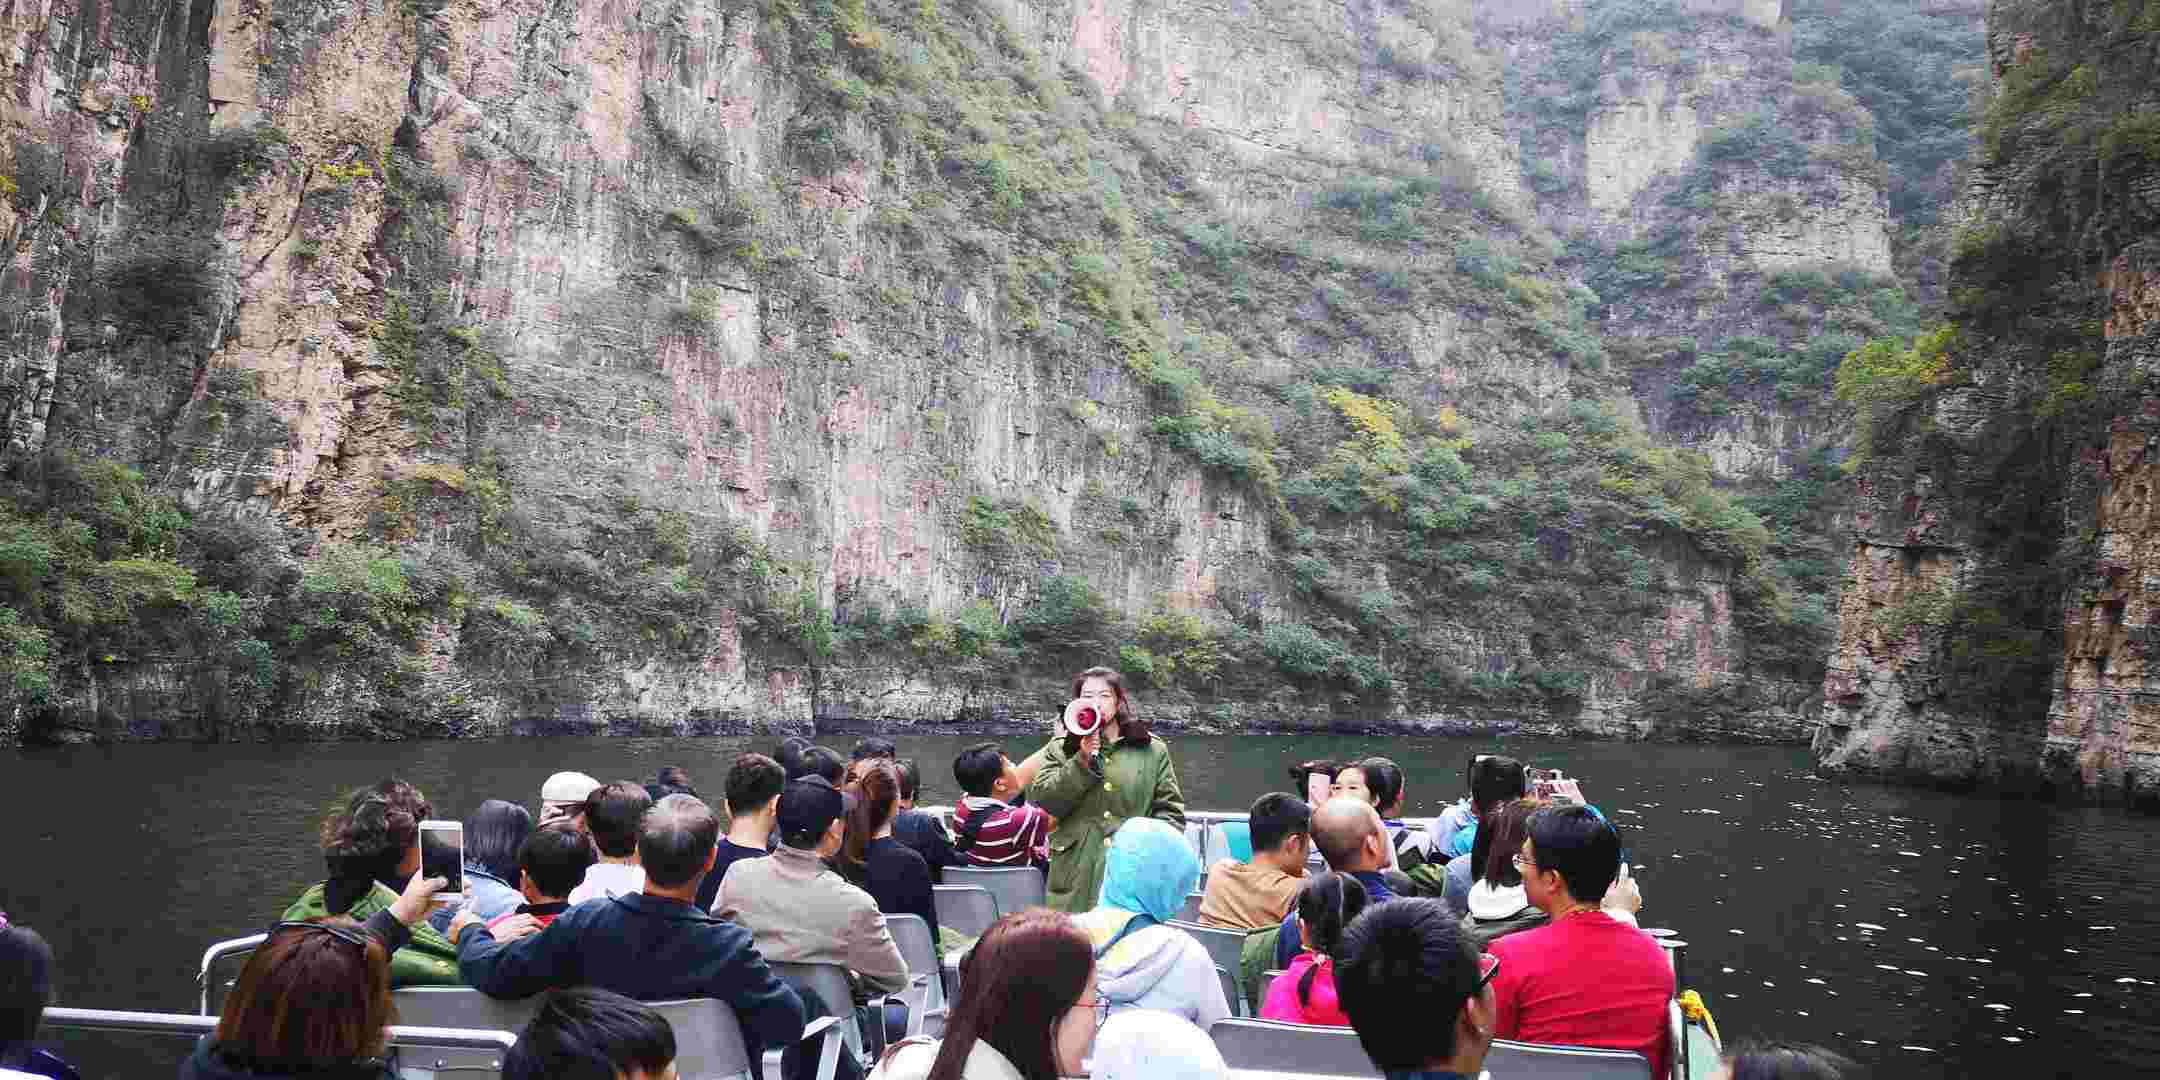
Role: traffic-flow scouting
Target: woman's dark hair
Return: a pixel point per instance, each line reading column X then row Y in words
column 874, row 804
column 364, row 844
column 790, row 755
column 25, row 988
column 670, row 780
column 556, row 857
column 1131, row 728
column 1496, row 779
column 819, row 761
column 493, row 835
column 910, row 776
column 308, row 998
column 1583, row 847
column 586, row 1033
column 1384, row 779
column 1787, row 1061
column 1499, row 839
column 1402, row 974
column 873, row 746
column 1016, row 984
column 1325, row 906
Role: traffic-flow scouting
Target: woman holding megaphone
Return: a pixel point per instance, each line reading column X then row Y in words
column 1101, row 768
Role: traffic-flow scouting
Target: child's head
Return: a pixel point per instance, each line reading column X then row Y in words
column 553, row 860
column 25, row 982
column 981, row 767
column 1325, row 906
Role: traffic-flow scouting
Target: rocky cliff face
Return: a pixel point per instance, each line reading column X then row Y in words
column 447, row 368
column 1994, row 623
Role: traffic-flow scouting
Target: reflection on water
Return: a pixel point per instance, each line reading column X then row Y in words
column 1930, row 934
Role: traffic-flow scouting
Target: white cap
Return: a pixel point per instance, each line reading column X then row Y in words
column 567, row 787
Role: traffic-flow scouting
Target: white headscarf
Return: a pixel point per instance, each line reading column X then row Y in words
column 1143, row 1044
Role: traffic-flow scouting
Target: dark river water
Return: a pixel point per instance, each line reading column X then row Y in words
column 1924, row 934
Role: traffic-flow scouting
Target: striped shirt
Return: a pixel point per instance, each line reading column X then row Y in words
column 1010, row 836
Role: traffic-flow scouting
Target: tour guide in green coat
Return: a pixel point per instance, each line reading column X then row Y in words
column 1092, row 783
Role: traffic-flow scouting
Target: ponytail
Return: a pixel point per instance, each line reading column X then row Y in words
column 1327, row 904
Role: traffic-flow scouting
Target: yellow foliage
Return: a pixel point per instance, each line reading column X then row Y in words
column 1378, row 422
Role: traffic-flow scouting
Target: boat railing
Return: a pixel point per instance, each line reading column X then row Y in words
column 223, row 950
column 417, row 1051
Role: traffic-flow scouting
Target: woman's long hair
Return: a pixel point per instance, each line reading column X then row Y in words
column 1131, row 728
column 1016, row 984
column 1325, row 906
column 878, row 792
column 363, row 845
column 1384, row 779
column 309, row 998
column 1499, row 839
column 494, row 834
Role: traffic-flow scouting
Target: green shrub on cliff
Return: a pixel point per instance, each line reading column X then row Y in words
column 1883, row 378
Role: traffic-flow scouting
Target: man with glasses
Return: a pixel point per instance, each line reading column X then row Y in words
column 1587, row 978
column 1417, row 992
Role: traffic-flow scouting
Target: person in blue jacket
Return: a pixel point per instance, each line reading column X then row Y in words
column 653, row 946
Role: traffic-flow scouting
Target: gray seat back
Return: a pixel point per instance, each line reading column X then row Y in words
column 1511, row 1060
column 830, row 983
column 1015, row 888
column 461, row 1007
column 708, row 1040
column 1191, row 911
column 1278, row 1047
column 967, row 909
column 1231, row 993
column 1267, row 984
column 912, row 935
column 1226, row 948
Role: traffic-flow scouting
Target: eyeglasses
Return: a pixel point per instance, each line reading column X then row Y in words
column 1488, row 966
column 1100, row 1008
column 349, row 934
column 1522, row 865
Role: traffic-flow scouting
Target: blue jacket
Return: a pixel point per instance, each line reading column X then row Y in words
column 1292, row 941
column 645, row 947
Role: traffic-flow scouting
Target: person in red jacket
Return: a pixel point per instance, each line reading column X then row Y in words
column 1586, row 979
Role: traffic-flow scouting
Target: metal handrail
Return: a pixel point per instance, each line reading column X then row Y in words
column 198, row 1026
column 215, row 953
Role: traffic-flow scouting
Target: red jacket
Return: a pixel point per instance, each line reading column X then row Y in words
column 1587, row 980
column 1282, row 997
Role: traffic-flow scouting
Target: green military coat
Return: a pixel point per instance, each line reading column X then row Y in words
column 427, row 960
column 1129, row 780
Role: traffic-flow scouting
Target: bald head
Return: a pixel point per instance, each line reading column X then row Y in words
column 1341, row 829
column 675, row 840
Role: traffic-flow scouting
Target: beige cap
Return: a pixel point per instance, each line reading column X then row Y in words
column 567, row 787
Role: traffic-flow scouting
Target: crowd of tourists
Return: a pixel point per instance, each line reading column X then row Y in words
column 1507, row 916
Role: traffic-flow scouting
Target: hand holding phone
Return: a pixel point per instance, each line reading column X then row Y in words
column 442, row 855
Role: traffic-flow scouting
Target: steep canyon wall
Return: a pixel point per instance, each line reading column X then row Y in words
column 1995, row 620
column 448, row 368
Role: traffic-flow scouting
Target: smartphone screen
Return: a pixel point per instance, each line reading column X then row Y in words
column 442, row 854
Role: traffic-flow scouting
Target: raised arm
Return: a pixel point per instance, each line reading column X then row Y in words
column 521, row 968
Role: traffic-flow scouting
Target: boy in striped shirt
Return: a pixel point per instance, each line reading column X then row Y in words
column 989, row 829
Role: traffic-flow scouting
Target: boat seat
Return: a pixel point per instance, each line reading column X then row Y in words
column 1191, row 911
column 830, row 983
column 1015, row 888
column 1278, row 1047
column 966, row 909
column 1511, row 1060
column 1226, row 950
column 926, row 979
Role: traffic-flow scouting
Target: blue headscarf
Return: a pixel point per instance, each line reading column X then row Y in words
column 1148, row 869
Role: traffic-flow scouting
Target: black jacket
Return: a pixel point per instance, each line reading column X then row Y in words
column 645, row 947
column 926, row 834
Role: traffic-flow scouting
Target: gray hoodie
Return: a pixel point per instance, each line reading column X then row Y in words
column 1163, row 968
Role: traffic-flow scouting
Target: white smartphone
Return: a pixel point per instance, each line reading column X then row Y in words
column 442, row 854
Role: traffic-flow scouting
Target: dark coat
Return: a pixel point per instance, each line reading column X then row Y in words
column 645, row 947
column 925, row 834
